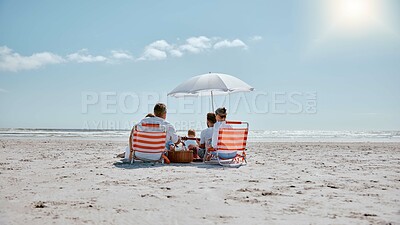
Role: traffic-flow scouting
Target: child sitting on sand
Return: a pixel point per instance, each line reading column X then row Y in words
column 192, row 143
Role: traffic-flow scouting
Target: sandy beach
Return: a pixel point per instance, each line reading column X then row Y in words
column 66, row 181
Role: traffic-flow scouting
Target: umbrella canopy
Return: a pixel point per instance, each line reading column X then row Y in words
column 218, row 83
column 210, row 84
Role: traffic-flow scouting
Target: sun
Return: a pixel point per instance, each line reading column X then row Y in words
column 355, row 10
column 340, row 21
column 353, row 13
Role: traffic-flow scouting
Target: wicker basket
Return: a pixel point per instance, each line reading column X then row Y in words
column 180, row 156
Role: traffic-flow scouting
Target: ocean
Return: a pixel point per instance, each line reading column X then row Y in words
column 254, row 135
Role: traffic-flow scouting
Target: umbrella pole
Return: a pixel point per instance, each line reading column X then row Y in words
column 212, row 101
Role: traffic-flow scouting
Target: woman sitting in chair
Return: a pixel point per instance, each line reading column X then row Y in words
column 220, row 115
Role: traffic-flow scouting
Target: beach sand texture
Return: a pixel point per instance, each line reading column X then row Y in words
column 65, row 181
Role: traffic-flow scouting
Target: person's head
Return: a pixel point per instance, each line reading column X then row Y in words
column 191, row 133
column 150, row 115
column 211, row 119
column 160, row 110
column 220, row 114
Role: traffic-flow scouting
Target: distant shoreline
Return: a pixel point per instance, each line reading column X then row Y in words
column 254, row 135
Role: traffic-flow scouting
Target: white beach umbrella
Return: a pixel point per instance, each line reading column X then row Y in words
column 210, row 84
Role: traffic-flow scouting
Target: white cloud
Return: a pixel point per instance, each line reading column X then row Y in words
column 196, row 44
column 121, row 54
column 157, row 50
column 230, row 44
column 161, row 49
column 189, row 48
column 153, row 54
column 176, row 53
column 256, row 38
column 83, row 56
column 14, row 62
column 160, row 45
column 199, row 42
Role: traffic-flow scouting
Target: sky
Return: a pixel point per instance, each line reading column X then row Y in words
column 315, row 65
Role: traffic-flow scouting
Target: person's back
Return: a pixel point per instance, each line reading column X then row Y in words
column 160, row 112
column 171, row 133
column 206, row 134
column 191, row 139
column 220, row 115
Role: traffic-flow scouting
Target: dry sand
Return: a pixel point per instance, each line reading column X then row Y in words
column 65, row 181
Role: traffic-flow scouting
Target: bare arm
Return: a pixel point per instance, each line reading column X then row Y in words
column 130, row 144
column 179, row 140
column 130, row 139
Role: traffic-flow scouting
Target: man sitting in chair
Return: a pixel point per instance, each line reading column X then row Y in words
column 160, row 112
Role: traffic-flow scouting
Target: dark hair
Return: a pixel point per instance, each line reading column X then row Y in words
column 211, row 117
column 191, row 132
column 150, row 115
column 160, row 109
column 220, row 111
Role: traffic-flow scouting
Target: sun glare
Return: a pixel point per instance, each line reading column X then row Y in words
column 353, row 13
column 355, row 9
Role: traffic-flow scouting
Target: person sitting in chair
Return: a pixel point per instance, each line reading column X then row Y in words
column 126, row 153
column 160, row 115
column 206, row 134
column 220, row 115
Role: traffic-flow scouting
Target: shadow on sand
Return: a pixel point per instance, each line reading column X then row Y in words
column 140, row 165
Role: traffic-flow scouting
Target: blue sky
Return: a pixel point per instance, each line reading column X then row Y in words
column 54, row 54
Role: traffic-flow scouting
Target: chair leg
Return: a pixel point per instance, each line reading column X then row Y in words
column 132, row 157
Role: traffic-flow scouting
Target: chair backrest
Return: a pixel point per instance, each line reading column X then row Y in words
column 233, row 139
column 149, row 138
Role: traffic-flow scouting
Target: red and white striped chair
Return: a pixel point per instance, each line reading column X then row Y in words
column 231, row 145
column 148, row 143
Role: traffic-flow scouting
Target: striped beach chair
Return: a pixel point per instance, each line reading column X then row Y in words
column 231, row 145
column 148, row 143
